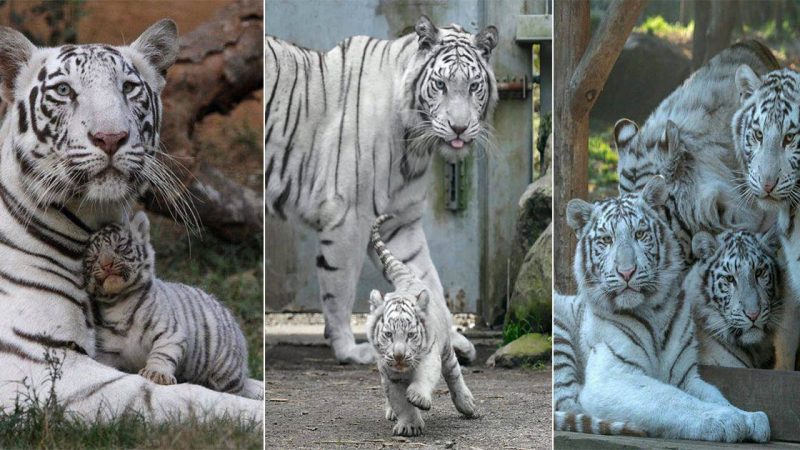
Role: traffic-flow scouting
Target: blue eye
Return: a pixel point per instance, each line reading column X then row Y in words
column 127, row 87
column 439, row 84
column 64, row 90
column 474, row 87
column 387, row 334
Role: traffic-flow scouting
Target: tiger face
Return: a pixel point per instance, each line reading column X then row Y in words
column 454, row 90
column 396, row 328
column 119, row 259
column 626, row 251
column 739, row 278
column 86, row 118
column 765, row 134
column 642, row 157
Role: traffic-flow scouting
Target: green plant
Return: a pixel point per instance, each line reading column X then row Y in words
column 603, row 160
column 514, row 329
column 658, row 26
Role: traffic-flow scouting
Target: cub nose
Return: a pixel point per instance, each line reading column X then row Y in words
column 108, row 142
column 399, row 357
column 769, row 186
column 458, row 129
column 752, row 315
column 626, row 274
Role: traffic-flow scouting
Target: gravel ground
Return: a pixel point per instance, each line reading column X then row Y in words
column 313, row 402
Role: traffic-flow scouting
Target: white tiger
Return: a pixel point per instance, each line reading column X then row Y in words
column 687, row 140
column 77, row 145
column 625, row 350
column 167, row 332
column 765, row 131
column 734, row 287
column 350, row 135
column 410, row 332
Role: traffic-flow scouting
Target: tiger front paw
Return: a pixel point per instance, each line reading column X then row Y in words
column 158, row 377
column 418, row 399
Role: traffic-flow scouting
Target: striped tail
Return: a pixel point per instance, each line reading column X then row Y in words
column 584, row 423
column 395, row 270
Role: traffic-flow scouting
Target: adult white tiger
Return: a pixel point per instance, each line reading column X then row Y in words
column 78, row 145
column 350, row 135
column 766, row 134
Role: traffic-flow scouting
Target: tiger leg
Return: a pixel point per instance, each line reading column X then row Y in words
column 409, row 419
column 426, row 375
column 339, row 263
column 787, row 336
column 459, row 392
column 165, row 357
column 92, row 391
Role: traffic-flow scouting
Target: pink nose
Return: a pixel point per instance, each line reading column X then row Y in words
column 627, row 274
column 108, row 142
column 753, row 315
column 769, row 186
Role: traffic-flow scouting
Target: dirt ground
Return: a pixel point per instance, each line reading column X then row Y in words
column 313, row 402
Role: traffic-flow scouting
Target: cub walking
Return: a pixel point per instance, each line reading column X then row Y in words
column 410, row 333
column 168, row 332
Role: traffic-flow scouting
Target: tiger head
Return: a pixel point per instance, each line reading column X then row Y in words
column 449, row 90
column 626, row 252
column 643, row 155
column 396, row 328
column 736, row 279
column 119, row 259
column 766, row 135
column 84, row 119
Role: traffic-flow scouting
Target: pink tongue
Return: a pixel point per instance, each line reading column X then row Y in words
column 456, row 143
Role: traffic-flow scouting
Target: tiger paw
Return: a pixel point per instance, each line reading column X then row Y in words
column 390, row 415
column 759, row 427
column 418, row 399
column 408, row 429
column 465, row 404
column 158, row 377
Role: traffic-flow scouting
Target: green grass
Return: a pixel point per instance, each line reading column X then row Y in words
column 603, row 160
column 514, row 329
column 39, row 421
column 658, row 26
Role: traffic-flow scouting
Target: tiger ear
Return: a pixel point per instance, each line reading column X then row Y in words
column 624, row 131
column 140, row 226
column 427, row 32
column 747, row 82
column 672, row 138
column 486, row 41
column 655, row 192
column 159, row 45
column 771, row 241
column 423, row 298
column 704, row 245
column 375, row 300
column 15, row 51
column 578, row 214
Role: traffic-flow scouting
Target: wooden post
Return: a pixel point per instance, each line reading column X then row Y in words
column 581, row 70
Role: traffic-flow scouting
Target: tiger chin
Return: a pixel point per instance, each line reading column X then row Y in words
column 410, row 332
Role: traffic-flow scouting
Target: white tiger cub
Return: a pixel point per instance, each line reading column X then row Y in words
column 167, row 332
column 734, row 287
column 409, row 330
column 350, row 135
column 627, row 339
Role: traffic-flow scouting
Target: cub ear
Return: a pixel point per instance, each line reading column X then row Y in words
column 375, row 300
column 624, row 131
column 15, row 51
column 423, row 298
column 676, row 153
column 704, row 245
column 655, row 192
column 747, row 82
column 486, row 41
column 140, row 226
column 427, row 32
column 578, row 214
column 771, row 241
column 159, row 45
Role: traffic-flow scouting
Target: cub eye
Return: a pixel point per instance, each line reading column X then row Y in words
column 787, row 139
column 127, row 87
column 606, row 240
column 730, row 279
column 759, row 135
column 411, row 335
column 640, row 234
column 64, row 90
column 474, row 87
column 760, row 273
column 439, row 84
column 387, row 334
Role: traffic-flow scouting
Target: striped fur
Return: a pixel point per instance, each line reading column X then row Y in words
column 167, row 332
column 734, row 289
column 765, row 131
column 410, row 331
column 687, row 140
column 56, row 187
column 350, row 135
column 625, row 350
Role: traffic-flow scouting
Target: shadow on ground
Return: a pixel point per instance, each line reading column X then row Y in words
column 313, row 402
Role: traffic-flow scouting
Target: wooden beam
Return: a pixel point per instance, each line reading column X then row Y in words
column 592, row 72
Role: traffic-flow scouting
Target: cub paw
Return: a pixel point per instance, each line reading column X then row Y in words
column 465, row 404
column 759, row 427
column 358, row 354
column 158, row 377
column 724, row 425
column 418, row 399
column 408, row 429
column 390, row 415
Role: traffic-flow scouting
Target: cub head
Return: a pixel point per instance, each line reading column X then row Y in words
column 737, row 278
column 765, row 133
column 644, row 155
column 85, row 119
column 396, row 328
column 119, row 259
column 626, row 252
column 449, row 90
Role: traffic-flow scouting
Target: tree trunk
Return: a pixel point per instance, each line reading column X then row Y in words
column 702, row 19
column 723, row 19
column 219, row 65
